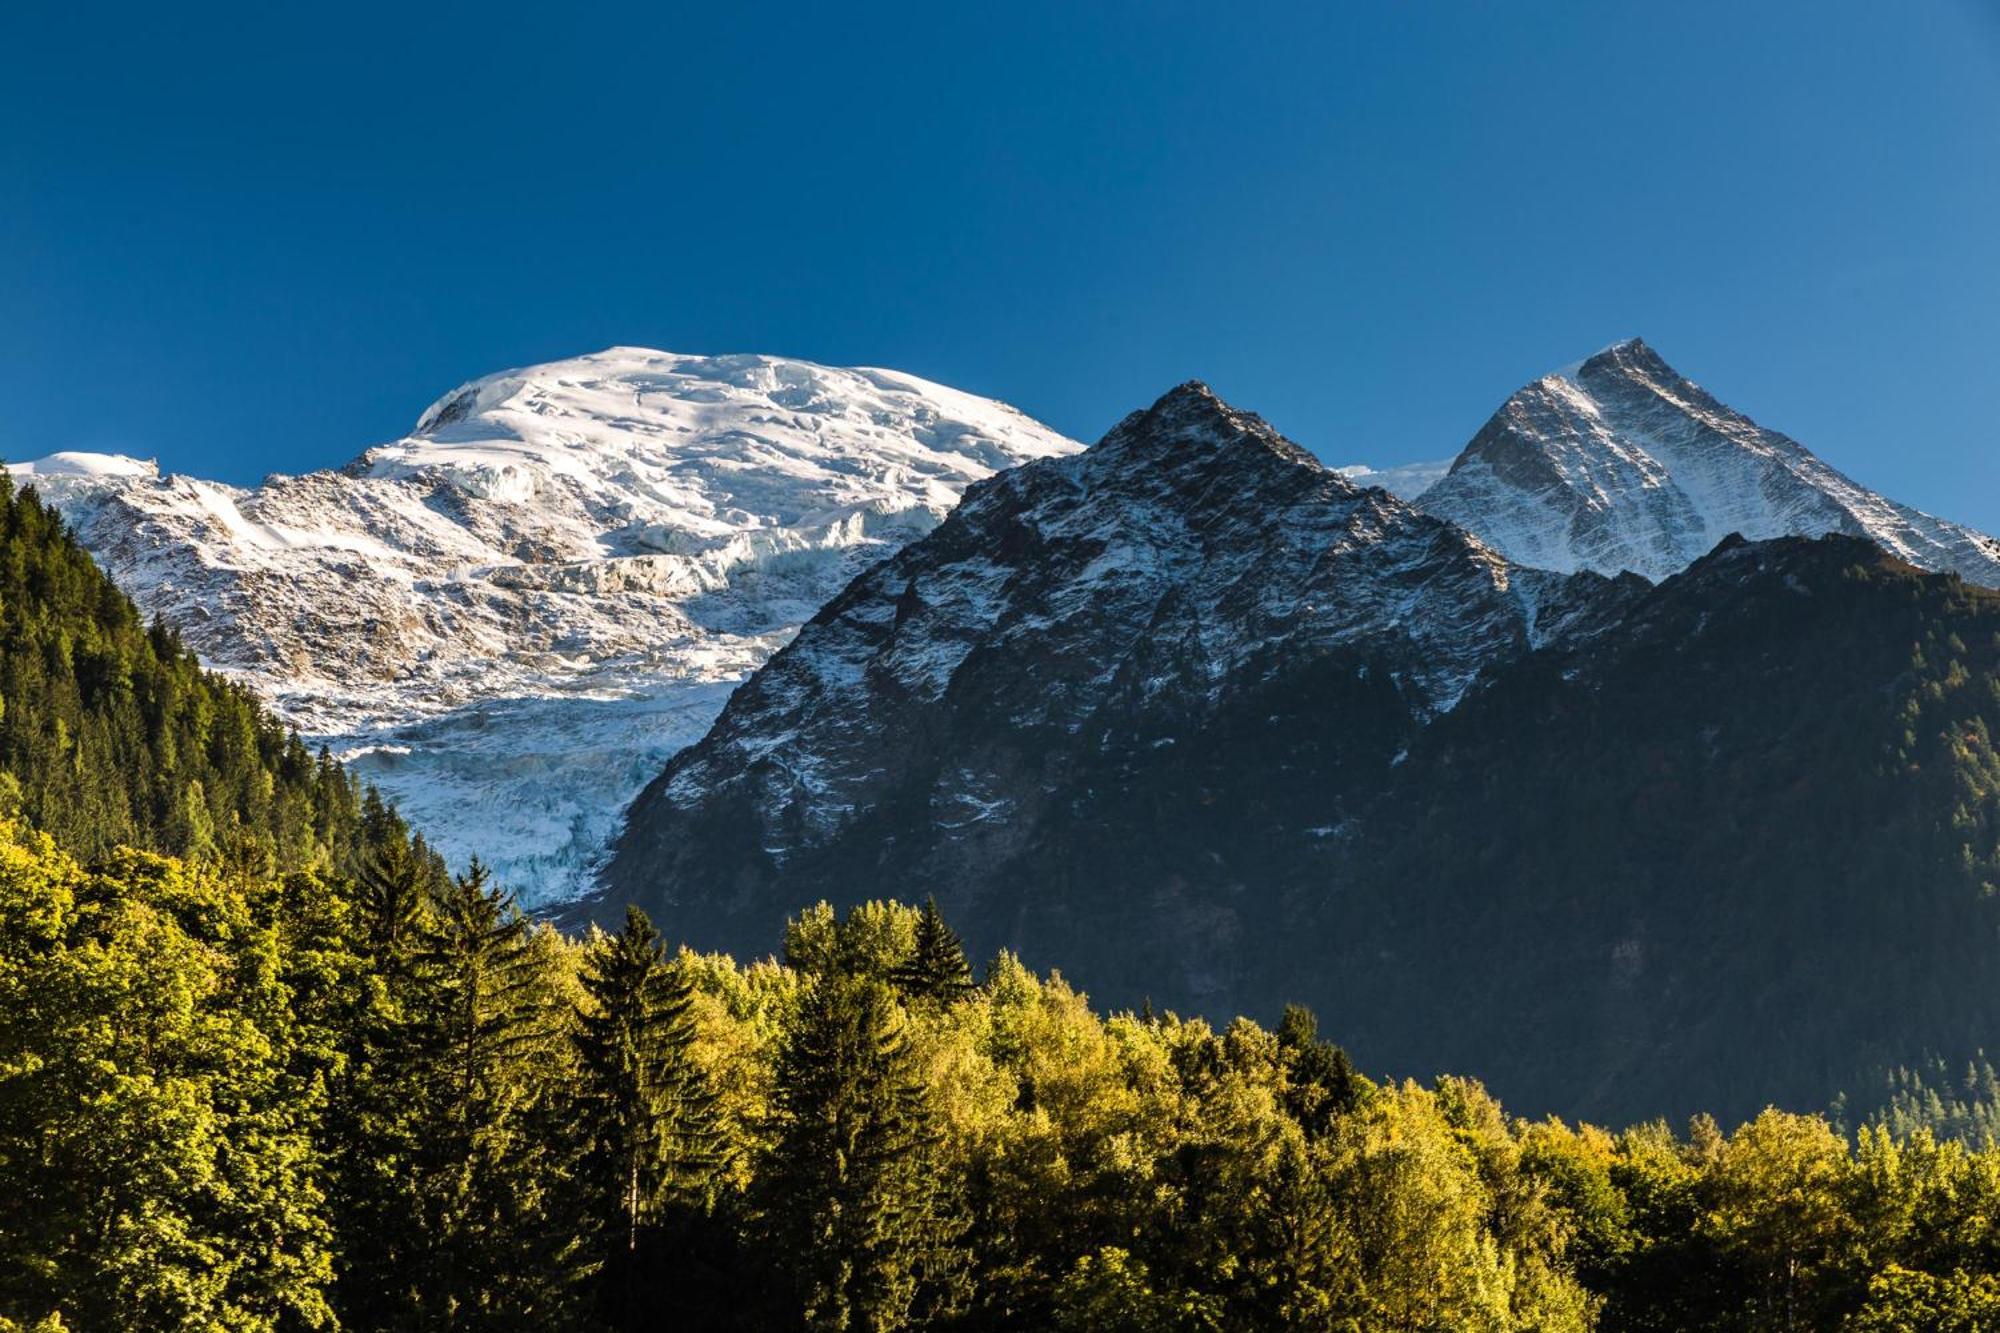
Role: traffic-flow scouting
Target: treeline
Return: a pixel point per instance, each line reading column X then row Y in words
column 1963, row 1105
column 388, row 1101
column 112, row 734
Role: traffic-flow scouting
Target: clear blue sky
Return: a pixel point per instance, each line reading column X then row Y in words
column 256, row 239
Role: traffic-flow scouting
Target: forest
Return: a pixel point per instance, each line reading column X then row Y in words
column 389, row 1101
column 266, row 1063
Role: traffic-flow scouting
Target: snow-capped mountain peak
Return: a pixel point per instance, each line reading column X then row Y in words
column 511, row 616
column 1619, row 462
column 725, row 443
column 1633, row 348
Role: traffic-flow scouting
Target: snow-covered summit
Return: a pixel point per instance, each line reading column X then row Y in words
column 1619, row 462
column 717, row 446
column 82, row 466
column 511, row 616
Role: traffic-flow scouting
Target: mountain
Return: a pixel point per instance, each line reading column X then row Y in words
column 512, row 617
column 509, row 618
column 1197, row 718
column 1094, row 708
column 1618, row 462
column 1741, row 848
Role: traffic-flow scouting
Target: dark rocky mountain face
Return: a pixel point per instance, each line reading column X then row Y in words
column 1200, row 722
column 1741, row 849
column 1097, row 710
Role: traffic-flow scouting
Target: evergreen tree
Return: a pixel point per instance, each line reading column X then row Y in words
column 856, row 1204
column 1323, row 1083
column 391, row 899
column 384, row 1104
column 652, row 1141
column 502, row 1255
column 936, row 968
column 442, row 1130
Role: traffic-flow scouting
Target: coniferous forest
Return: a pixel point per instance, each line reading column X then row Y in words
column 267, row 1063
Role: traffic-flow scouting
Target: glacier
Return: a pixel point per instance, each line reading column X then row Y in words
column 510, row 618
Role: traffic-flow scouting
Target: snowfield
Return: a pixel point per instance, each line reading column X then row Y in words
column 1406, row 481
column 510, row 618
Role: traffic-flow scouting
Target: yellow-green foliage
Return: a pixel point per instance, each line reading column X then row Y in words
column 157, row 1158
column 252, row 1102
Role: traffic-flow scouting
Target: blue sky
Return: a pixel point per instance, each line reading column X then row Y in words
column 262, row 238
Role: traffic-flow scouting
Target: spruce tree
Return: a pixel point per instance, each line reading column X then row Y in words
column 443, row 1132
column 390, row 903
column 384, row 1097
column 652, row 1141
column 855, row 1201
column 116, row 736
column 500, row 1258
column 1322, row 1083
column 936, row 968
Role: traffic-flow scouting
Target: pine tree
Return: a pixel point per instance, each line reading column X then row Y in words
column 855, row 1200
column 936, row 969
column 653, row 1142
